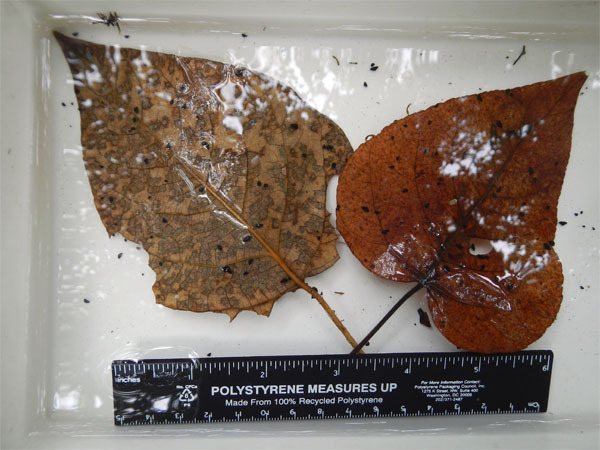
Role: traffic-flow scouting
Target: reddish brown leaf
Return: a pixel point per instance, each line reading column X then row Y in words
column 483, row 169
column 218, row 171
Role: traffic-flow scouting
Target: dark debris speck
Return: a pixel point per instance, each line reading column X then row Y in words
column 523, row 52
column 110, row 20
column 424, row 318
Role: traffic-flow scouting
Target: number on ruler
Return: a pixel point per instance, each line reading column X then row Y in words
column 535, row 405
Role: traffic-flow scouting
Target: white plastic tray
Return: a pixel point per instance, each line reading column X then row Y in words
column 56, row 349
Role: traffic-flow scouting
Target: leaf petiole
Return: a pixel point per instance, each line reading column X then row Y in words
column 385, row 318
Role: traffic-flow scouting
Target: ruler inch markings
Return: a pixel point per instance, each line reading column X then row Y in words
column 314, row 387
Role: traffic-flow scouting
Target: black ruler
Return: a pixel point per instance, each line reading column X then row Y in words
column 165, row 391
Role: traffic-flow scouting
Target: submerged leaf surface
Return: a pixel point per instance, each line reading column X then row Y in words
column 462, row 198
column 218, row 171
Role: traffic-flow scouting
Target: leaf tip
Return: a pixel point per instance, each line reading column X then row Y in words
column 61, row 38
column 66, row 42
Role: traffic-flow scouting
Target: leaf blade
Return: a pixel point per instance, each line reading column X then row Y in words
column 487, row 166
column 216, row 170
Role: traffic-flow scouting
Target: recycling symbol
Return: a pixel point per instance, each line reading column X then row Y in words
column 189, row 394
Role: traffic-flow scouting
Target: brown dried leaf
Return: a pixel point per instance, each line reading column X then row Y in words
column 218, row 171
column 416, row 201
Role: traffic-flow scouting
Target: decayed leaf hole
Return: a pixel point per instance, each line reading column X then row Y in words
column 480, row 246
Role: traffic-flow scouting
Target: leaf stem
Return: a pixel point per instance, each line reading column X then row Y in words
column 390, row 313
column 278, row 259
